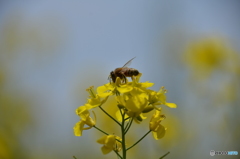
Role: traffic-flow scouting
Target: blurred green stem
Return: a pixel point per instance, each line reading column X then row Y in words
column 164, row 155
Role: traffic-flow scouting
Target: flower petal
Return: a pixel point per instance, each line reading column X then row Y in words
column 83, row 112
column 105, row 90
column 78, row 128
column 159, row 133
column 124, row 88
column 106, row 150
column 171, row 105
column 102, row 140
column 146, row 84
column 110, row 141
column 119, row 116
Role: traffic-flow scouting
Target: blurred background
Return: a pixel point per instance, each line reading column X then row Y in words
column 51, row 51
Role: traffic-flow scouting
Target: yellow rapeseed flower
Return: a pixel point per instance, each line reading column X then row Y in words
column 159, row 98
column 134, row 102
column 110, row 142
column 84, row 114
column 158, row 130
column 140, row 85
column 114, row 88
column 95, row 100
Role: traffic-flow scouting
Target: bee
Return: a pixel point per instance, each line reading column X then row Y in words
column 123, row 72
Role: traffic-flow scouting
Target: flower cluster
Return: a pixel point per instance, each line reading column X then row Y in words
column 134, row 99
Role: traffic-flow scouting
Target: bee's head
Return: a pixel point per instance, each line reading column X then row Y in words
column 112, row 76
column 135, row 72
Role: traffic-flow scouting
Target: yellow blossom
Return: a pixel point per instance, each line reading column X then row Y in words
column 85, row 120
column 110, row 143
column 160, row 133
column 157, row 129
column 159, row 98
column 134, row 103
column 95, row 100
column 118, row 87
column 133, row 100
column 114, row 88
column 140, row 85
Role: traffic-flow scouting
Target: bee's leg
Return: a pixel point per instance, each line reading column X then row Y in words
column 123, row 77
column 109, row 79
column 133, row 78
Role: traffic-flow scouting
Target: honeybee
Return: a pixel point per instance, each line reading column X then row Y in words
column 123, row 72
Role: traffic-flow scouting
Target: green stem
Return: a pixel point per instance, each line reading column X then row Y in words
column 128, row 126
column 139, row 140
column 105, row 133
column 101, row 130
column 109, row 116
column 164, row 155
column 127, row 118
column 124, row 150
column 118, row 154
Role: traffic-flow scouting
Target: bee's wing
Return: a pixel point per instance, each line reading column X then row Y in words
column 128, row 63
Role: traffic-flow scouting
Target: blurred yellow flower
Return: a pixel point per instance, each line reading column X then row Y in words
column 15, row 117
column 2, row 77
column 110, row 143
column 208, row 54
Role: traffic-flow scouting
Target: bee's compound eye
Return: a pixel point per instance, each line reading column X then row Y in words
column 111, row 73
column 135, row 72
